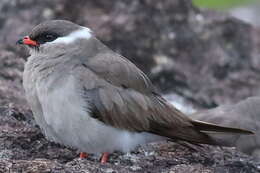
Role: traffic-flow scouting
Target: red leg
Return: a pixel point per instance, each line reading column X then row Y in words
column 104, row 157
column 83, row 155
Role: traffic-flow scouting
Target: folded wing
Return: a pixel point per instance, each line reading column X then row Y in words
column 120, row 95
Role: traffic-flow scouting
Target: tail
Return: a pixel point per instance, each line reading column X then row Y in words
column 201, row 133
column 177, row 126
column 209, row 127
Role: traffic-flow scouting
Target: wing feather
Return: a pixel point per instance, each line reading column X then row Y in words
column 122, row 96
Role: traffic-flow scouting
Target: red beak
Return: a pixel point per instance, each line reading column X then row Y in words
column 27, row 41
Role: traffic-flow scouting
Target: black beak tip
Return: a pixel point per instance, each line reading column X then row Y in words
column 20, row 41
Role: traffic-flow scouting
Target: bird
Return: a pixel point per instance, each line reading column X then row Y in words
column 244, row 114
column 86, row 96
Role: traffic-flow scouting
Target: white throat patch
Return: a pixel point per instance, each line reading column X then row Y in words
column 83, row 33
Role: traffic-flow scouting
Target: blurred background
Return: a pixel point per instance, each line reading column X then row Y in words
column 193, row 51
column 223, row 4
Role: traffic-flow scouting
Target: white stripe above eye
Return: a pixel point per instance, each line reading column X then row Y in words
column 83, row 33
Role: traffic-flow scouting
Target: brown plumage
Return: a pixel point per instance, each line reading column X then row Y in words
column 127, row 99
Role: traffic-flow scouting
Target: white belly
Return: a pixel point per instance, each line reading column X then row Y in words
column 69, row 123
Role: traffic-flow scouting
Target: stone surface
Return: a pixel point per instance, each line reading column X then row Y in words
column 24, row 149
column 204, row 56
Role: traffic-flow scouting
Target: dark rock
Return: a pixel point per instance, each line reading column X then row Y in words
column 208, row 58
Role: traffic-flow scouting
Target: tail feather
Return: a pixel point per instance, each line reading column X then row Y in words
column 200, row 133
column 209, row 127
column 197, row 132
column 195, row 136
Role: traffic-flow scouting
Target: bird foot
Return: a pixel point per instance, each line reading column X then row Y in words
column 104, row 157
column 83, row 155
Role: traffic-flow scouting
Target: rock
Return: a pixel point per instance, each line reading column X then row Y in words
column 196, row 54
column 24, row 149
column 247, row 13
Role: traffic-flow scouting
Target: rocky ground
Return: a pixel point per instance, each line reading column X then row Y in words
column 206, row 57
column 24, row 149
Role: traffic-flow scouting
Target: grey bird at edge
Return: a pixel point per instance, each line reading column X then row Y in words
column 84, row 95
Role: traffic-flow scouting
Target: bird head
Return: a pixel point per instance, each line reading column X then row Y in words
column 54, row 34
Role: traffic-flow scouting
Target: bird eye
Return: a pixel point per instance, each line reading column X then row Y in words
column 50, row 37
column 46, row 37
